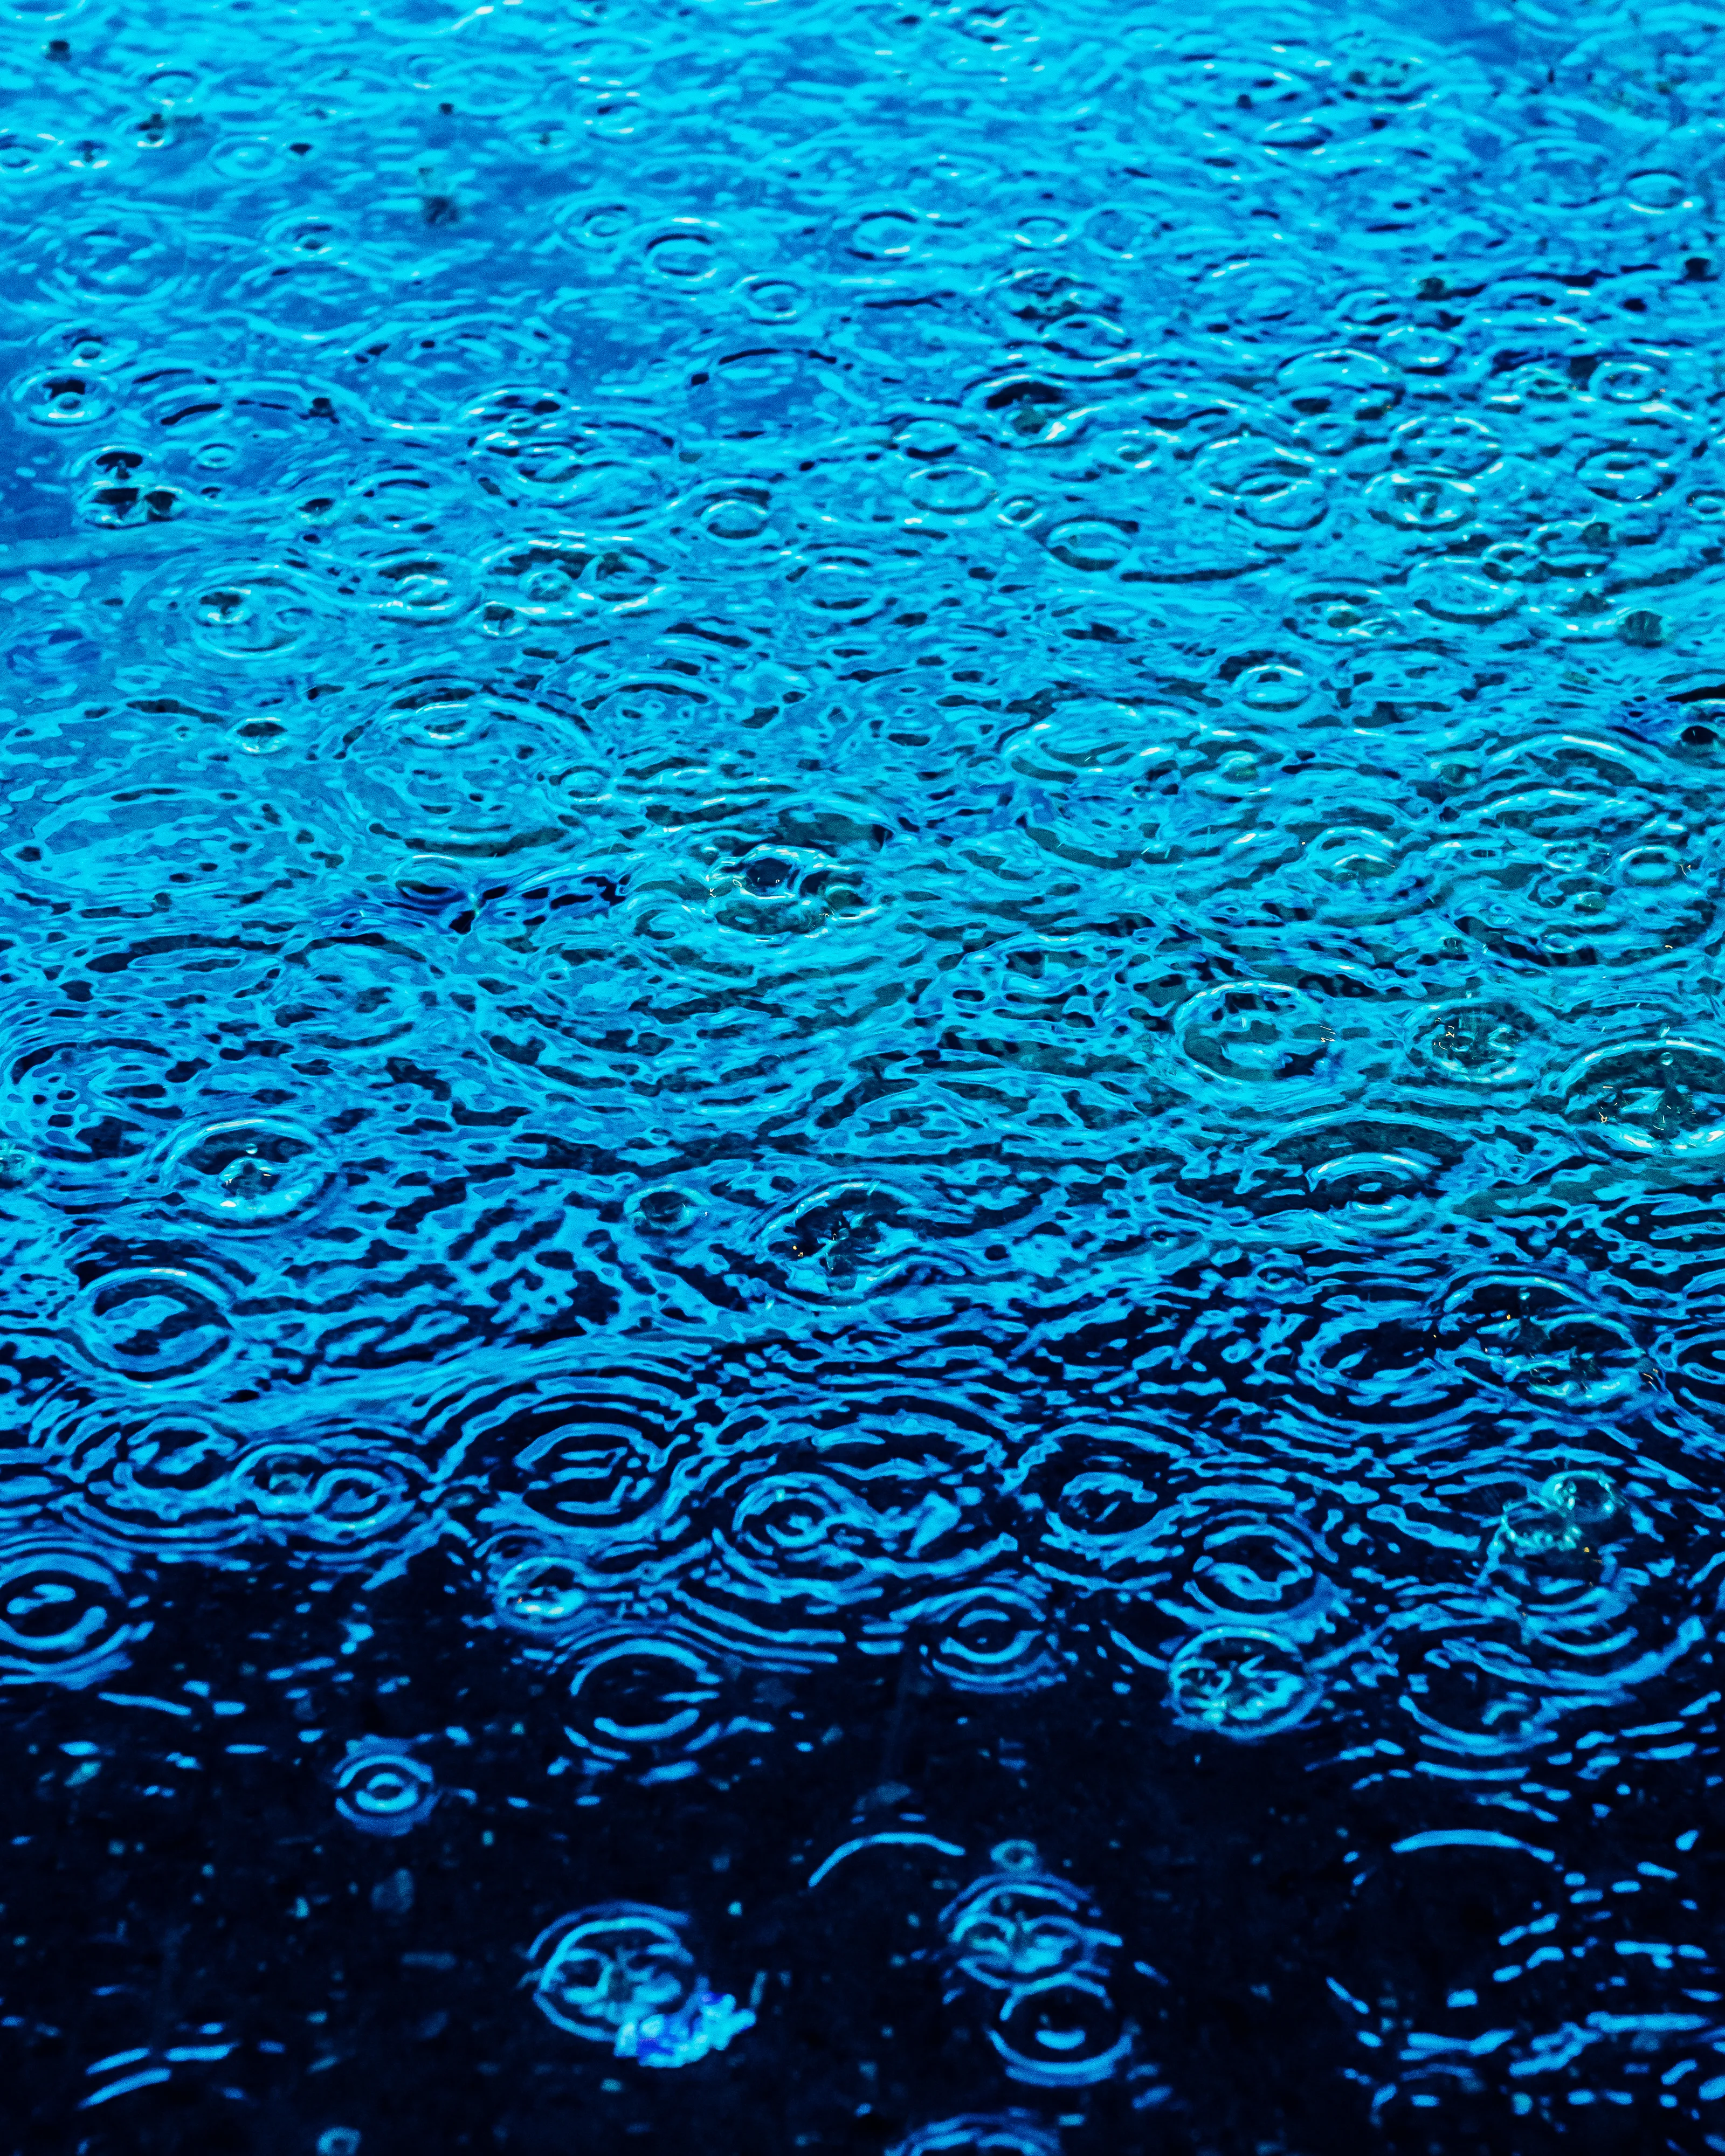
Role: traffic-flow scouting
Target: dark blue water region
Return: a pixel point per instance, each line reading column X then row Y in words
column 862, row 1078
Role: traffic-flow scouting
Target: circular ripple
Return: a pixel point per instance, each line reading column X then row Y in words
column 95, row 1101
column 1479, row 1042
column 345, row 1493
column 460, row 772
column 346, row 992
column 835, row 1530
column 1018, row 2134
column 588, row 1454
column 991, row 1639
column 1102, row 1497
column 1473, row 1697
column 253, row 1172
column 1662, row 1096
column 1240, row 1682
column 1064, row 2032
column 642, row 1693
column 606, row 1966
column 781, row 891
column 382, row 1790
column 847, row 1242
column 1539, row 1337
column 162, row 1481
column 64, row 1613
column 1253, row 1035
column 155, row 1324
column 1016, row 1927
column 529, row 448
column 1250, row 1565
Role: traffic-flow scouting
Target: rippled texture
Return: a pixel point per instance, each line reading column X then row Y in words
column 863, row 1105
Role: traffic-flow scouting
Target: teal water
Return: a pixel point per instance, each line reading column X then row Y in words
column 862, row 1078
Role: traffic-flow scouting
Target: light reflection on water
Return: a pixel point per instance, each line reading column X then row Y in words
column 863, row 881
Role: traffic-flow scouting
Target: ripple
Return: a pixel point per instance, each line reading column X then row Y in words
column 645, row 1697
column 554, row 578
column 847, row 1242
column 382, row 1790
column 460, row 772
column 1663, row 1097
column 530, row 448
column 999, row 2133
column 996, row 1639
column 251, row 1172
column 587, row 1453
column 1064, row 2032
column 1472, row 1696
column 1234, row 1561
column 66, row 1614
column 1254, row 1035
column 622, row 1974
column 1240, row 1682
column 1022, row 1925
column 1541, row 1338
column 161, row 1481
column 94, row 1101
column 1479, row 1042
column 347, row 1493
column 156, row 1325
column 342, row 994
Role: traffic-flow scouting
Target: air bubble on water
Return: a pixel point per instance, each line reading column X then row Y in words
column 1583, row 1495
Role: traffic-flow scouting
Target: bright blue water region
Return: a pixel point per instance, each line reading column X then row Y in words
column 862, row 1078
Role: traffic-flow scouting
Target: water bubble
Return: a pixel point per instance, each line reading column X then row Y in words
column 1583, row 1496
column 1240, row 1682
column 339, row 2141
column 544, row 1591
column 460, row 773
column 382, row 1790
